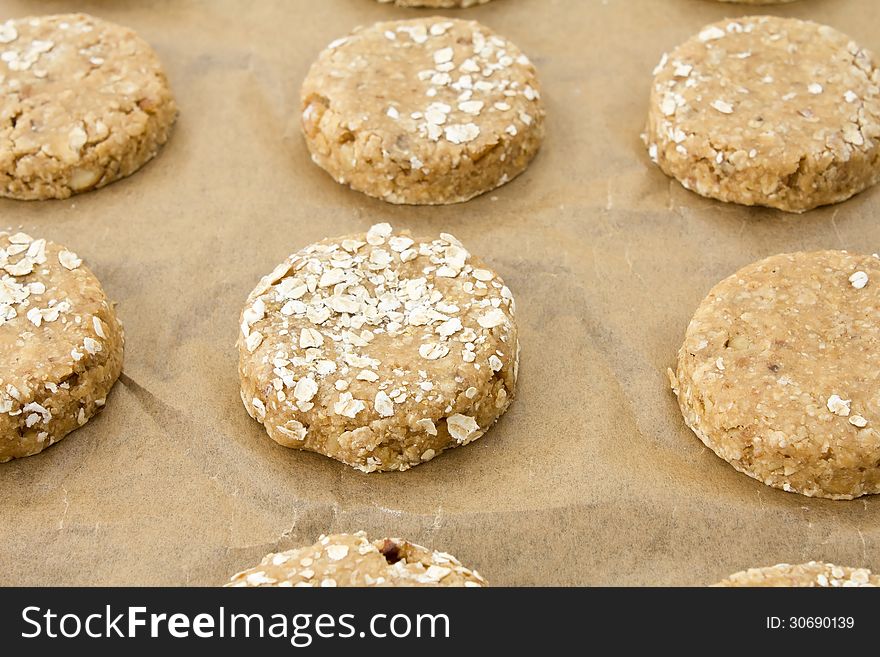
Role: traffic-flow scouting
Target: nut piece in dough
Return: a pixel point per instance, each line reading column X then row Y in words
column 436, row 4
column 379, row 350
column 812, row 574
column 425, row 112
column 778, row 372
column 768, row 111
column 83, row 103
column 60, row 345
column 352, row 560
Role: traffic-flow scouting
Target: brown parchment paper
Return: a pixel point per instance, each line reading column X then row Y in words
column 591, row 477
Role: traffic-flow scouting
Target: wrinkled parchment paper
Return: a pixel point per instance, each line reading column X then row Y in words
column 591, row 477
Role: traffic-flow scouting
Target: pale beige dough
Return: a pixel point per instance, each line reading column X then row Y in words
column 768, row 111
column 427, row 111
column 379, row 350
column 346, row 560
column 60, row 345
column 778, row 370
column 436, row 4
column 83, row 102
column 812, row 574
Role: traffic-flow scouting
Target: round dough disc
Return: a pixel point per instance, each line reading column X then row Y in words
column 811, row 574
column 60, row 345
column 768, row 111
column 83, row 103
column 778, row 373
column 426, row 111
column 354, row 560
column 378, row 350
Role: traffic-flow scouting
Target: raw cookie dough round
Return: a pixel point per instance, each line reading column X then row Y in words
column 427, row 111
column 778, row 373
column 436, row 4
column 354, row 560
column 813, row 574
column 377, row 350
column 83, row 103
column 768, row 111
column 60, row 345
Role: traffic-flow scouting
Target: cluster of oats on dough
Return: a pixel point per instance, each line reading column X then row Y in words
column 812, row 574
column 60, row 343
column 379, row 350
column 425, row 111
column 768, row 111
column 347, row 560
column 83, row 103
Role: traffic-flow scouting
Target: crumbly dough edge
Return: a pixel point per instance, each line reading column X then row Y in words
column 94, row 372
column 502, row 163
column 423, row 443
column 806, row 574
column 110, row 166
column 692, row 419
column 838, row 181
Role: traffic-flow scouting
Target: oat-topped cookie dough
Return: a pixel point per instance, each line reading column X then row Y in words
column 436, row 4
column 353, row 560
column 83, row 103
column 426, row 111
column 60, row 345
column 768, row 111
column 812, row 574
column 379, row 350
column 779, row 368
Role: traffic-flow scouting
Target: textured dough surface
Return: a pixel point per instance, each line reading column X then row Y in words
column 426, row 111
column 60, row 345
column 354, row 560
column 378, row 350
column 83, row 103
column 436, row 4
column 778, row 373
column 767, row 111
column 812, row 574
